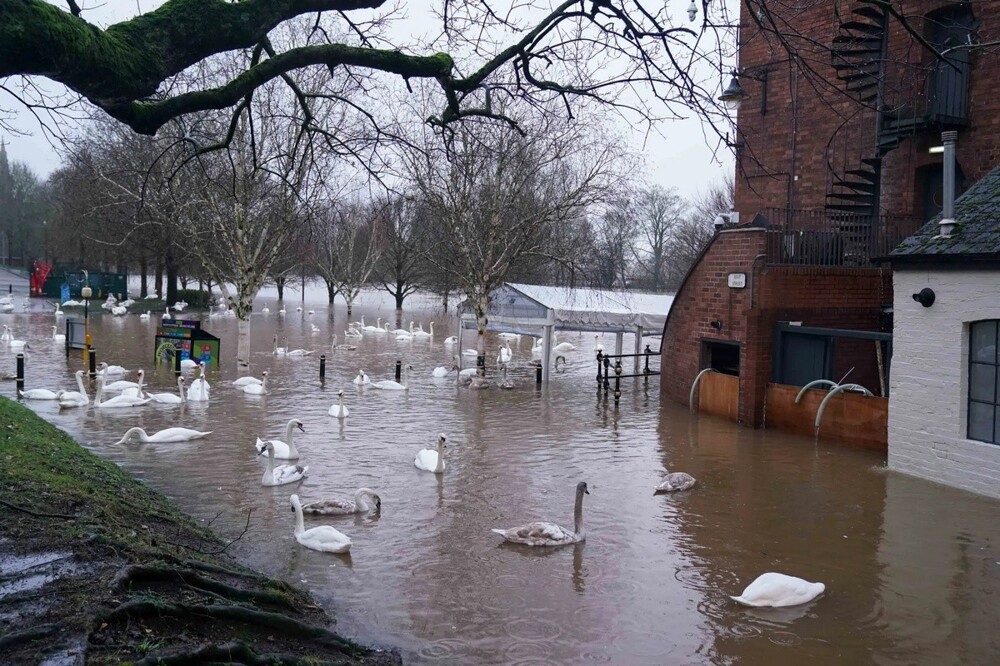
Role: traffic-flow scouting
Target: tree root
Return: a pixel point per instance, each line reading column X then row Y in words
column 241, row 614
column 234, row 652
column 143, row 573
column 8, row 641
column 35, row 513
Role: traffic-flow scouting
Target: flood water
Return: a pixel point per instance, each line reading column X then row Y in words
column 912, row 569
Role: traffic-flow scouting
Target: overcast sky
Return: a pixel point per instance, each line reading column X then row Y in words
column 678, row 155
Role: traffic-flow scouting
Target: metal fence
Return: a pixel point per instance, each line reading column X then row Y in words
column 820, row 238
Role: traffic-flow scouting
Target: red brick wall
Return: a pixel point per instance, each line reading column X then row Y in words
column 783, row 163
column 848, row 298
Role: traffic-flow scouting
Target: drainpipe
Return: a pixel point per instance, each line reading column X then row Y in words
column 947, row 224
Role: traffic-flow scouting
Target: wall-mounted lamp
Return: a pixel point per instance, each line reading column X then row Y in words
column 716, row 324
column 925, row 297
column 692, row 11
column 935, row 150
column 734, row 94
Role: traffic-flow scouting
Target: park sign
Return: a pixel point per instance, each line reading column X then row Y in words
column 185, row 337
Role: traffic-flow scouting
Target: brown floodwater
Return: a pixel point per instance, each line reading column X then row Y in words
column 912, row 569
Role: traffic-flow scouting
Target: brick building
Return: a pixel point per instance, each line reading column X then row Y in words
column 834, row 169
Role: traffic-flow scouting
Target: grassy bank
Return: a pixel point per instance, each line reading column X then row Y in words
column 97, row 567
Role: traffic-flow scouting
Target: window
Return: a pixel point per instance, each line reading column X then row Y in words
column 984, row 396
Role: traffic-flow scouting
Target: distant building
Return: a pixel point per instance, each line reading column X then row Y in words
column 944, row 404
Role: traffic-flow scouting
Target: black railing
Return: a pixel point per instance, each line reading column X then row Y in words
column 823, row 238
column 605, row 371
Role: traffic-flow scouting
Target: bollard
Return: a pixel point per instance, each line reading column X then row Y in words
column 92, row 353
column 538, row 375
column 600, row 357
column 607, row 384
column 322, row 367
column 177, row 362
column 481, row 365
column 645, row 369
column 19, row 376
column 399, row 369
column 618, row 381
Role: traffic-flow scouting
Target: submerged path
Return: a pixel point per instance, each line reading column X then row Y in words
column 96, row 567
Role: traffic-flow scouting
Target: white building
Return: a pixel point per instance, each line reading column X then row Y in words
column 944, row 398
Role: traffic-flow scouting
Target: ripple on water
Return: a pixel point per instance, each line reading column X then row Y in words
column 534, row 629
column 442, row 649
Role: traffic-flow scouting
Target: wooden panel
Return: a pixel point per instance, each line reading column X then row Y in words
column 719, row 395
column 850, row 418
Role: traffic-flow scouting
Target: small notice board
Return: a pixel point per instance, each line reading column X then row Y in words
column 185, row 337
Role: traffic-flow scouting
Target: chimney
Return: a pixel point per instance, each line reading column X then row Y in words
column 947, row 224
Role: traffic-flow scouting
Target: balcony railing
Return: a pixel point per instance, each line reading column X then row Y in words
column 819, row 238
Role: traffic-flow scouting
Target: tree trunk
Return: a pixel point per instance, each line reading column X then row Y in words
column 243, row 343
column 399, row 301
column 280, row 284
column 143, row 277
column 331, row 290
column 171, row 296
column 158, row 280
column 350, row 302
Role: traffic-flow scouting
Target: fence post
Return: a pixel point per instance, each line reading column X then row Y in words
column 177, row 362
column 19, row 375
column 399, row 369
column 607, row 384
column 92, row 354
column 618, row 381
column 322, row 367
column 600, row 356
column 538, row 375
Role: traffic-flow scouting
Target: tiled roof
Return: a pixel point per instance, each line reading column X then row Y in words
column 976, row 235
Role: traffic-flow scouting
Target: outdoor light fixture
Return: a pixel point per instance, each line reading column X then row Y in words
column 925, row 297
column 935, row 150
column 716, row 324
column 85, row 293
column 692, row 11
column 734, row 94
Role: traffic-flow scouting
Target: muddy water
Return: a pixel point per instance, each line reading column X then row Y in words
column 912, row 569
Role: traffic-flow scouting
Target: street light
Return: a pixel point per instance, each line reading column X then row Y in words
column 86, row 292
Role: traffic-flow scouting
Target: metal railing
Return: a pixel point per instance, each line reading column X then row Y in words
column 605, row 372
column 821, row 238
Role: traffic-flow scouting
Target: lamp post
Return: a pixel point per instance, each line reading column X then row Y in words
column 86, row 293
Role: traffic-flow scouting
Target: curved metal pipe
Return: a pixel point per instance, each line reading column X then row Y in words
column 695, row 386
column 811, row 384
column 835, row 390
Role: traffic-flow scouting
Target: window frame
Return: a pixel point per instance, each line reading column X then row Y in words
column 995, row 364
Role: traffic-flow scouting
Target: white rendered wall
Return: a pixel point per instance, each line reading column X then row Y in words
column 928, row 406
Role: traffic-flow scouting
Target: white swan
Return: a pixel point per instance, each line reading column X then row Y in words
column 265, row 310
column 510, row 336
column 777, row 590
column 119, row 402
column 451, row 340
column 431, row 460
column 362, row 378
column 188, row 364
column 353, row 333
column 470, row 352
column 58, row 337
column 598, row 347
column 390, row 385
column 313, row 328
column 322, row 538
column 257, row 389
column 506, row 354
column 109, row 370
column 281, row 474
column 421, row 333
column 145, row 315
column 79, row 398
column 339, row 410
column 199, row 389
column 564, row 347
column 58, row 313
column 243, row 381
column 298, row 352
column 129, row 389
column 369, row 328
column 168, row 435
column 550, row 534
column 281, row 312
column 441, row 371
column 166, row 313
column 278, row 351
column 41, row 394
column 281, row 450
column 379, row 330
column 169, row 398
column 506, row 383
column 675, row 481
column 365, row 501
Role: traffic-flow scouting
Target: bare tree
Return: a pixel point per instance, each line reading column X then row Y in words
column 693, row 231
column 344, row 237
column 614, row 246
column 658, row 211
column 400, row 267
column 495, row 197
